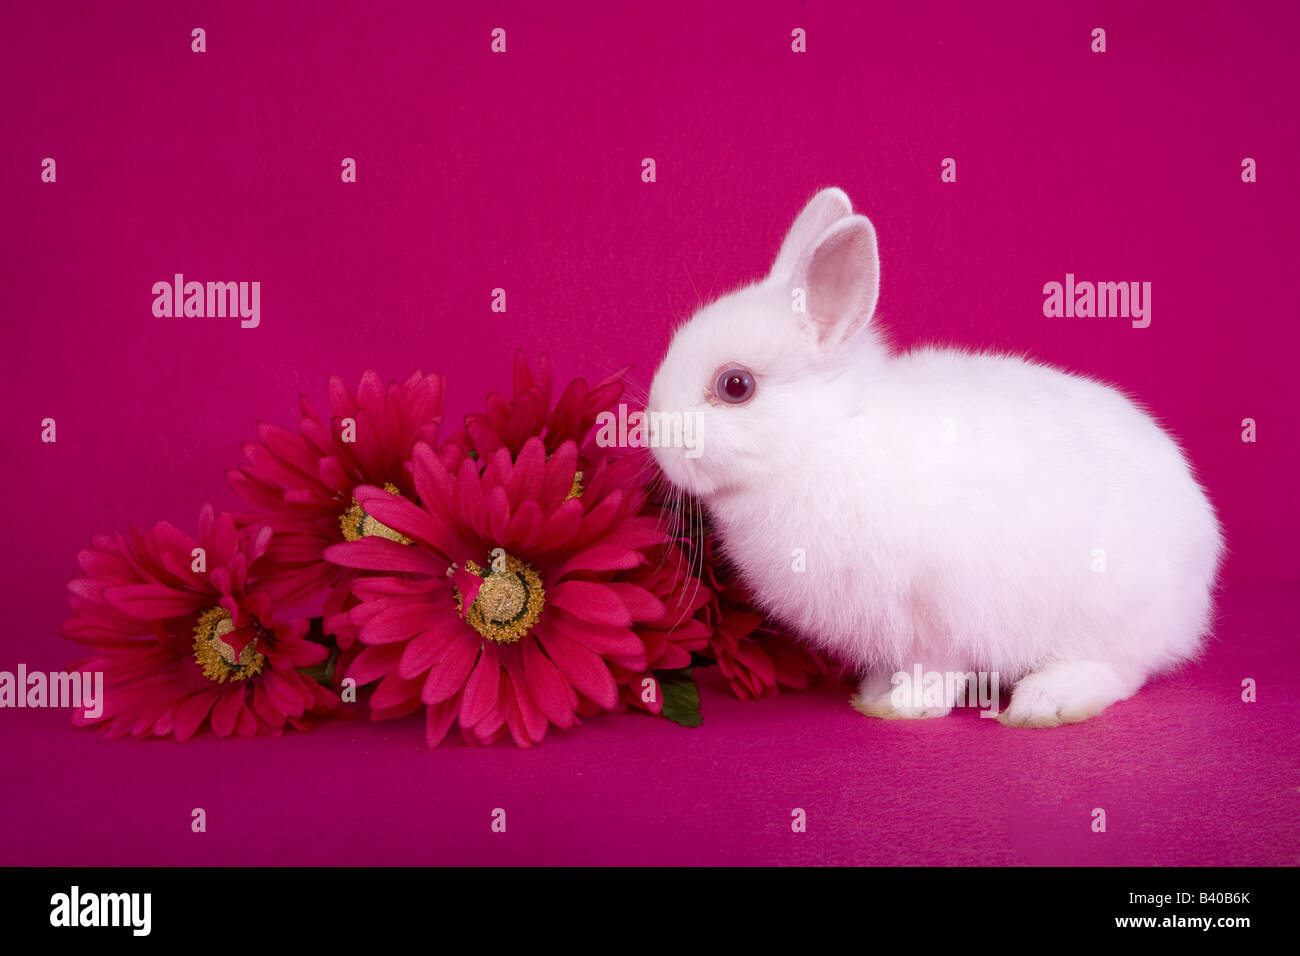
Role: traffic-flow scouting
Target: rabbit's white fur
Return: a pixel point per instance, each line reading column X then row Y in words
column 953, row 507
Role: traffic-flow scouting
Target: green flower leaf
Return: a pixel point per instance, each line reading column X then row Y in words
column 681, row 697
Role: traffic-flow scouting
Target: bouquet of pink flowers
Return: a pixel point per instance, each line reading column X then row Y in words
column 506, row 577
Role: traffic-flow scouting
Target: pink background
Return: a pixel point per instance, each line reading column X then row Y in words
column 523, row 171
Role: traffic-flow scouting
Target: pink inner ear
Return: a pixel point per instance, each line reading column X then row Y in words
column 842, row 276
column 824, row 210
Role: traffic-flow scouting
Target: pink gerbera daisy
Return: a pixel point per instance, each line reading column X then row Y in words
column 671, row 640
column 185, row 636
column 511, row 422
column 513, row 605
column 302, row 482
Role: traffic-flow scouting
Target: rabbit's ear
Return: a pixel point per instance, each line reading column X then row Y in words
column 841, row 278
column 824, row 210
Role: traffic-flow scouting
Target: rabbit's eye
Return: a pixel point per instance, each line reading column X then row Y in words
column 735, row 385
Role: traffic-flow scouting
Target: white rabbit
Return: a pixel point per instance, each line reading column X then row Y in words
column 959, row 511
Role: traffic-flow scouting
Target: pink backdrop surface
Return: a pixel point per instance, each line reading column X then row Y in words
column 522, row 171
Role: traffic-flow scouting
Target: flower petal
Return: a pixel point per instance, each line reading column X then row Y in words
column 601, row 557
column 549, row 690
column 438, row 719
column 447, row 677
column 425, row 649
column 482, row 690
column 191, row 713
column 583, row 669
column 155, row 602
column 590, row 601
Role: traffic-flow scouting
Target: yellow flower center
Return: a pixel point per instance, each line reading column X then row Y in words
column 576, row 490
column 216, row 656
column 509, row 601
column 356, row 524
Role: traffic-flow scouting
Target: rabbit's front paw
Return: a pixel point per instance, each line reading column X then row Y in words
column 1065, row 692
column 877, row 697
